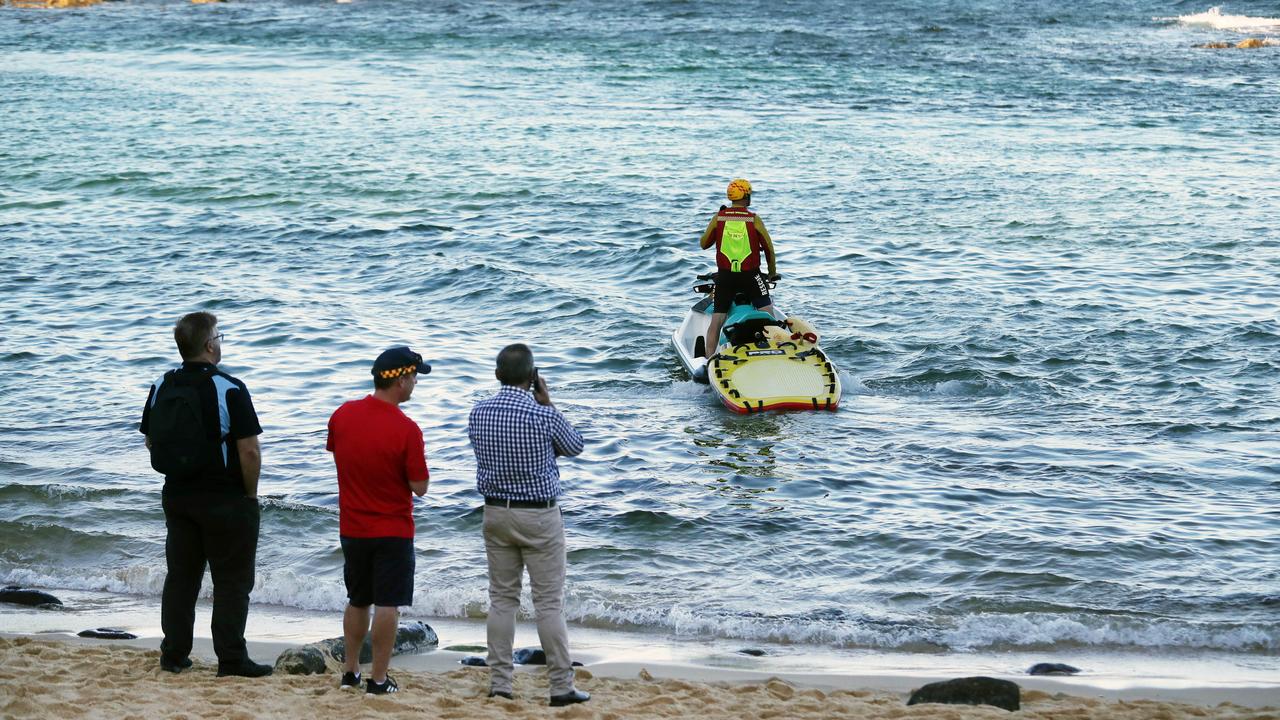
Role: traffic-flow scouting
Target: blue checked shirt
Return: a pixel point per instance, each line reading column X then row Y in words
column 516, row 441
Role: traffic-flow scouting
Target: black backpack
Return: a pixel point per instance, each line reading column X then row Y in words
column 180, row 443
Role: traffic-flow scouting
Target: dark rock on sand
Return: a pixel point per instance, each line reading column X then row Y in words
column 311, row 658
column 529, row 656
column 753, row 652
column 305, row 660
column 107, row 634
column 1052, row 669
column 411, row 637
column 970, row 691
column 533, row 656
column 20, row 596
column 473, row 661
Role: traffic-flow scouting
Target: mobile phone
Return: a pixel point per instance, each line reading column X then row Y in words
column 534, row 385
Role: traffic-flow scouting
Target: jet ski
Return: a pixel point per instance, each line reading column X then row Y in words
column 763, row 361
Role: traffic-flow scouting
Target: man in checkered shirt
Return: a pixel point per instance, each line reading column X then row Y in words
column 517, row 435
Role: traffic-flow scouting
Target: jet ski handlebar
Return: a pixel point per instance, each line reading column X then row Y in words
column 772, row 278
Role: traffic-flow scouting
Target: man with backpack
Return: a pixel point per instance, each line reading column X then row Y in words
column 202, row 432
column 742, row 242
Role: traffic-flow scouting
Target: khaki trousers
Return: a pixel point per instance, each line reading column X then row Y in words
column 516, row 539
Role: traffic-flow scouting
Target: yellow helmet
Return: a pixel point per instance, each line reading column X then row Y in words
column 738, row 189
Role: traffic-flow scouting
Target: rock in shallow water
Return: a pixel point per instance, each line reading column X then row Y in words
column 970, row 691
column 1052, row 669
column 34, row 598
column 107, row 634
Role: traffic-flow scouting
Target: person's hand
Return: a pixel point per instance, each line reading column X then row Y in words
column 540, row 392
column 775, row 277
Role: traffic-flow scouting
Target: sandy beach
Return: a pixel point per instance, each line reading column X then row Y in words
column 42, row 677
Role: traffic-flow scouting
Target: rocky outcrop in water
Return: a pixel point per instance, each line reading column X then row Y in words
column 19, row 595
column 313, row 658
column 1246, row 44
column 49, row 3
column 970, row 691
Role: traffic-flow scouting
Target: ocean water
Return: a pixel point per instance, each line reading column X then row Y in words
column 1040, row 242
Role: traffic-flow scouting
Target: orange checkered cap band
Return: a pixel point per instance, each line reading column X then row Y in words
column 397, row 372
column 738, row 189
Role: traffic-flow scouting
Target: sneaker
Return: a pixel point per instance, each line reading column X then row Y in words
column 502, row 694
column 244, row 668
column 174, row 666
column 350, row 681
column 383, row 688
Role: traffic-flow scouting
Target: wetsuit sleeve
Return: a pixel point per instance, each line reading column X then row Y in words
column 766, row 244
column 244, row 420
column 707, row 234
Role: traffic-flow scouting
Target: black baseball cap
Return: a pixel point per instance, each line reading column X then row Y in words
column 399, row 361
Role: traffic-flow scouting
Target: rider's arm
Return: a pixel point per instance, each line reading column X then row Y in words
column 705, row 242
column 768, row 246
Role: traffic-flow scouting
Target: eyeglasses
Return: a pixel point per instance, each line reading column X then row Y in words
column 218, row 337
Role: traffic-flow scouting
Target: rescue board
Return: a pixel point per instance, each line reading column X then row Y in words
column 767, row 375
column 764, row 361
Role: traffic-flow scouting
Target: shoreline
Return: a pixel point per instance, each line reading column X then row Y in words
column 1199, row 680
column 84, row 678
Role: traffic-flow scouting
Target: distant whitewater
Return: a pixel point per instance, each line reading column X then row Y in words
column 1213, row 18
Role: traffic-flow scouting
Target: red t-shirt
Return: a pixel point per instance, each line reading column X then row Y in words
column 378, row 450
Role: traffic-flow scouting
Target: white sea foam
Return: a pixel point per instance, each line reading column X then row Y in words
column 969, row 633
column 978, row 632
column 1213, row 18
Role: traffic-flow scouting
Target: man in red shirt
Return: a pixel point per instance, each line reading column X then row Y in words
column 379, row 454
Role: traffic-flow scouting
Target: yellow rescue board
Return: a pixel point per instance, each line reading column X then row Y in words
column 785, row 375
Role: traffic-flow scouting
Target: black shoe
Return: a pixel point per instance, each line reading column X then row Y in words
column 244, row 668
column 572, row 697
column 350, row 681
column 174, row 666
column 385, row 687
column 501, row 694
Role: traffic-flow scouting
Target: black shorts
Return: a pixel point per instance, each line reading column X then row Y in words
column 378, row 571
column 729, row 284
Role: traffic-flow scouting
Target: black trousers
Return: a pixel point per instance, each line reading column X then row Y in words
column 220, row 530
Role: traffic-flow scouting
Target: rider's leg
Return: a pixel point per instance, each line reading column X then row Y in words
column 713, row 332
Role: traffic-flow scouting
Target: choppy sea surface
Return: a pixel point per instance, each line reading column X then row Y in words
column 1040, row 241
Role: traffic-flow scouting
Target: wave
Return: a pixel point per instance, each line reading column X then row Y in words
column 979, row 632
column 1213, row 18
column 974, row 632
